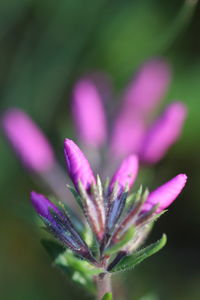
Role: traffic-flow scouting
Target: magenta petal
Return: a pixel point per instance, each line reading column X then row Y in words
column 165, row 194
column 27, row 140
column 77, row 165
column 164, row 133
column 42, row 205
column 148, row 87
column 126, row 173
column 127, row 136
column 88, row 113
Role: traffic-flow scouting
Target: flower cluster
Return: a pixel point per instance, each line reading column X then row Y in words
column 131, row 130
column 118, row 220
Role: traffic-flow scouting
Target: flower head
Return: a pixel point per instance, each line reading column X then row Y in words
column 27, row 140
column 117, row 220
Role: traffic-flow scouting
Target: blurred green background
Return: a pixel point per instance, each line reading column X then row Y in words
column 45, row 46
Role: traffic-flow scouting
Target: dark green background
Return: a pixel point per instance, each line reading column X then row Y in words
column 45, row 46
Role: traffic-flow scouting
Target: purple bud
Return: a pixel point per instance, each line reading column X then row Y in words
column 165, row 194
column 42, row 206
column 60, row 225
column 27, row 140
column 126, row 173
column 127, row 136
column 77, row 165
column 164, row 133
column 148, row 87
column 88, row 112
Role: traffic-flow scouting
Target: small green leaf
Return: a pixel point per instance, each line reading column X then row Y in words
column 107, row 296
column 79, row 271
column 127, row 237
column 134, row 259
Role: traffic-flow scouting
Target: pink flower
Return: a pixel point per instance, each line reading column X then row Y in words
column 27, row 140
column 88, row 113
column 77, row 165
column 148, row 87
column 131, row 130
column 59, row 224
column 163, row 133
column 126, row 173
column 105, row 209
column 127, row 136
column 165, row 194
column 140, row 98
column 43, row 205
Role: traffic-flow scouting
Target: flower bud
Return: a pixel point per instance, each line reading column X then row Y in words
column 148, row 87
column 127, row 136
column 126, row 173
column 165, row 194
column 88, row 113
column 59, row 224
column 77, row 165
column 27, row 140
column 42, row 206
column 164, row 133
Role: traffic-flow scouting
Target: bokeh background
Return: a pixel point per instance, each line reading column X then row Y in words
column 45, row 45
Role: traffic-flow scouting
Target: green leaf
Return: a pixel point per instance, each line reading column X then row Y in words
column 79, row 271
column 127, row 237
column 107, row 296
column 134, row 259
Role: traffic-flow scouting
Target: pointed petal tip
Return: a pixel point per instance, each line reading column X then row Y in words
column 182, row 178
column 42, row 205
column 68, row 142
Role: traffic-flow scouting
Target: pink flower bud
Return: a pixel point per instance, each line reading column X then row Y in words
column 77, row 165
column 148, row 87
column 165, row 194
column 126, row 173
column 88, row 113
column 127, row 136
column 42, row 206
column 27, row 140
column 164, row 133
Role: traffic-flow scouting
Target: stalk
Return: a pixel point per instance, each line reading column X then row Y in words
column 104, row 286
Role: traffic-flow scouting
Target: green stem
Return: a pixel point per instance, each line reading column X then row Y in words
column 103, row 281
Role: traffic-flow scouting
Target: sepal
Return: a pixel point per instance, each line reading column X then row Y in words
column 130, row 261
column 126, row 238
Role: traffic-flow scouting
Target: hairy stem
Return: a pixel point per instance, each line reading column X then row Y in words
column 103, row 281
